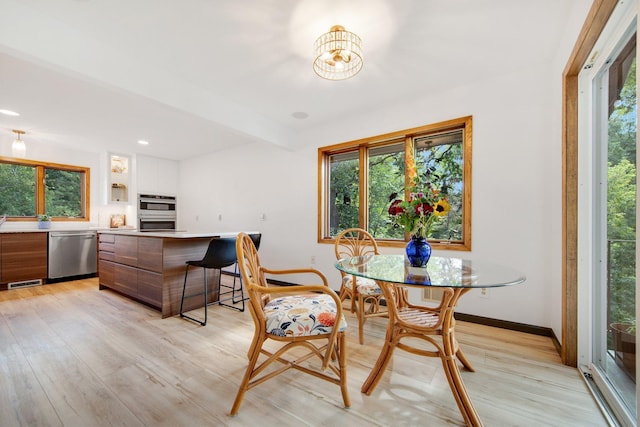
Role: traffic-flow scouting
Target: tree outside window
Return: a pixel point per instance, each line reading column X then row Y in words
column 442, row 155
column 29, row 189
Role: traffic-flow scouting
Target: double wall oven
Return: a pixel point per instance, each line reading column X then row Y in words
column 156, row 212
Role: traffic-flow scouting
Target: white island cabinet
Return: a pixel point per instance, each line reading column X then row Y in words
column 156, row 175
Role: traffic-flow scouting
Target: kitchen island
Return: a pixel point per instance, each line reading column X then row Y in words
column 149, row 266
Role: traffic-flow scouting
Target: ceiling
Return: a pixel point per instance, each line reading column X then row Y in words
column 197, row 76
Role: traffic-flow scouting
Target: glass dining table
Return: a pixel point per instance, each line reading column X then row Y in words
column 434, row 325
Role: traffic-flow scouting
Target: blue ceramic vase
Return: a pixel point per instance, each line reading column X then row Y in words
column 418, row 251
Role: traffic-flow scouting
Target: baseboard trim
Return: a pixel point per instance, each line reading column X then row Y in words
column 506, row 324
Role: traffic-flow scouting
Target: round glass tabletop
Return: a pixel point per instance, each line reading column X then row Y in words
column 446, row 272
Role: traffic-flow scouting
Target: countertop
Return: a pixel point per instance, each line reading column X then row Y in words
column 174, row 234
column 179, row 234
column 46, row 230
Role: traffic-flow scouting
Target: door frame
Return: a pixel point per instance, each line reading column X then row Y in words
column 596, row 20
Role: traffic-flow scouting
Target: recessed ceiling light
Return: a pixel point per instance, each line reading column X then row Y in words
column 143, row 142
column 9, row 113
column 300, row 115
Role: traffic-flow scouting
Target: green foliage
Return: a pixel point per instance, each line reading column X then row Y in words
column 386, row 176
column 343, row 193
column 621, row 203
column 63, row 191
column 440, row 166
column 17, row 190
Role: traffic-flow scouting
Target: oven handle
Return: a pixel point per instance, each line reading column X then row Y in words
column 159, row 201
column 157, row 218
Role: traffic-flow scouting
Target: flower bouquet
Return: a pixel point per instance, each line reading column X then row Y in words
column 416, row 216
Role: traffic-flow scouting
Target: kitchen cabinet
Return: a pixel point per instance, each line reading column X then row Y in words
column 151, row 269
column 149, row 253
column 125, row 280
column 126, row 250
column 150, row 287
column 107, row 273
column 156, row 176
column 119, row 182
column 132, row 266
column 106, row 260
column 23, row 256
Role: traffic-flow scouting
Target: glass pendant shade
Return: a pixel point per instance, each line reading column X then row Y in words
column 338, row 54
column 18, row 148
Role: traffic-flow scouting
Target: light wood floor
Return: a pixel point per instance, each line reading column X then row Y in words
column 75, row 356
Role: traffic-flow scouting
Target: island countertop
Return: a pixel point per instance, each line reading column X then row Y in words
column 179, row 234
column 7, row 230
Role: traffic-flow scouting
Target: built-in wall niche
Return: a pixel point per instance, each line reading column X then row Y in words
column 119, row 178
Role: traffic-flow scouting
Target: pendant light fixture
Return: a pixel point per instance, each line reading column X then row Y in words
column 18, row 148
column 338, row 54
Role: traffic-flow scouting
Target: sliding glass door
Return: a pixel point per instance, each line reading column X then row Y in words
column 608, row 230
column 615, row 352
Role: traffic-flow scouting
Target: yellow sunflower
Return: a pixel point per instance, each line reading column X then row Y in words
column 441, row 207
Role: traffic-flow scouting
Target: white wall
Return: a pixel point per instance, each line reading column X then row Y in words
column 514, row 210
column 517, row 183
column 243, row 184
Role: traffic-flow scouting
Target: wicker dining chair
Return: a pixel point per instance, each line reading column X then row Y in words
column 365, row 294
column 299, row 317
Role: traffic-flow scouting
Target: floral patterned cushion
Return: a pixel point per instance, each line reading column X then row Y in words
column 302, row 315
column 363, row 285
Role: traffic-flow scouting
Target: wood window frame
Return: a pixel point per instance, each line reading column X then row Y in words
column 597, row 18
column 40, row 187
column 465, row 123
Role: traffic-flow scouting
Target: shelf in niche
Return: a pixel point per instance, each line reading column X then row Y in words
column 119, row 178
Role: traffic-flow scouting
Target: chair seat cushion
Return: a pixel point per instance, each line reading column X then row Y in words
column 302, row 315
column 364, row 286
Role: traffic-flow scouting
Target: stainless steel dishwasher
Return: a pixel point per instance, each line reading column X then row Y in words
column 72, row 253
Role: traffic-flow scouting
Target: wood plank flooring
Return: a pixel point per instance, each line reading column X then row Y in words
column 71, row 355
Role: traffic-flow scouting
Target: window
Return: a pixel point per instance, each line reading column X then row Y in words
column 442, row 154
column 29, row 188
column 605, row 287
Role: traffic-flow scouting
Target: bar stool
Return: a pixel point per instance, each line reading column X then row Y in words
column 255, row 238
column 220, row 253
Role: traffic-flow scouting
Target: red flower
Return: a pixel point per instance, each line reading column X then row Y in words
column 395, row 208
column 417, row 214
column 423, row 208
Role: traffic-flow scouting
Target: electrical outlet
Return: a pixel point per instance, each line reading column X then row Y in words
column 484, row 293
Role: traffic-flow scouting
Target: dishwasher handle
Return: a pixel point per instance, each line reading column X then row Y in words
column 71, row 234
